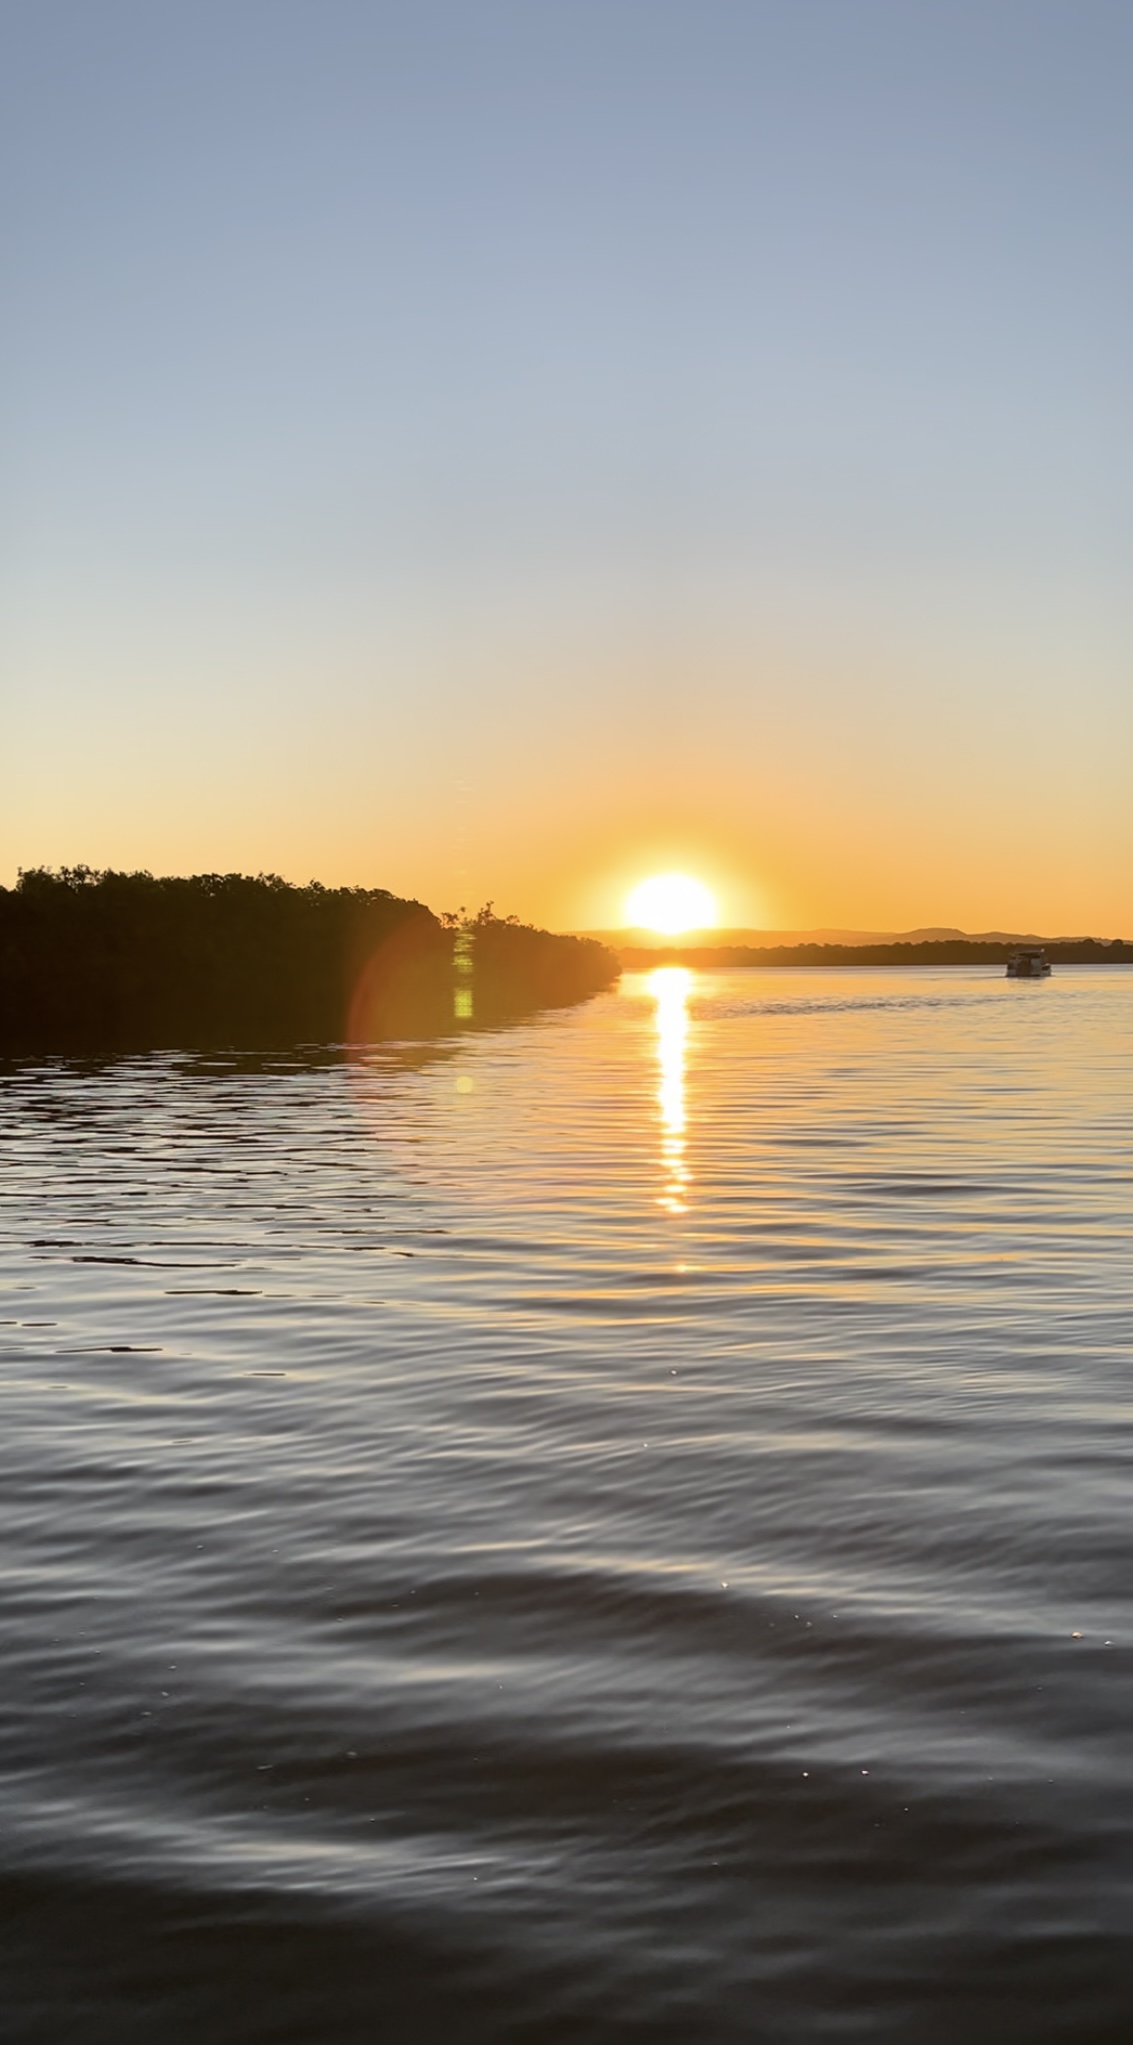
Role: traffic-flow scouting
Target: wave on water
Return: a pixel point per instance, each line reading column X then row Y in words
column 614, row 1529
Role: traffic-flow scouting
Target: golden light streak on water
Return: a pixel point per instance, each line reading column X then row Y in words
column 431, row 1610
column 669, row 986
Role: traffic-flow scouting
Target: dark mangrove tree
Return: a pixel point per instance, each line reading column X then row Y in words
column 93, row 960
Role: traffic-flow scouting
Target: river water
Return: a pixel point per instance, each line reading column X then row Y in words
column 612, row 1529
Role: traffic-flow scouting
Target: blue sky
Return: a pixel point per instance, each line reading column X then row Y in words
column 487, row 450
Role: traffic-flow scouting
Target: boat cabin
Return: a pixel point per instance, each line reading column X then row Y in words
column 1029, row 962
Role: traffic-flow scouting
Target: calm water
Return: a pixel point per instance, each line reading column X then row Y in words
column 618, row 1529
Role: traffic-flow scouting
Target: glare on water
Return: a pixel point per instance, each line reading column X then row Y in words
column 669, row 986
column 615, row 1528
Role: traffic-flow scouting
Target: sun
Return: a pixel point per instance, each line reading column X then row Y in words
column 670, row 903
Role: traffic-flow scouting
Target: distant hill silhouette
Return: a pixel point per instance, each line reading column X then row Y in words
column 762, row 940
column 95, row 961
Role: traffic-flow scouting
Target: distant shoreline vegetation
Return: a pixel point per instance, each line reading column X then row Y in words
column 93, row 961
column 972, row 951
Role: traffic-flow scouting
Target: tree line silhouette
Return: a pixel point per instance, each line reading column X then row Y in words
column 951, row 951
column 106, row 960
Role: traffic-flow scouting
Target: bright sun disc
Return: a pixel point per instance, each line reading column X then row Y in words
column 669, row 903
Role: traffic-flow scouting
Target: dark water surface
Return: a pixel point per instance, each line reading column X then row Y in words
column 618, row 1529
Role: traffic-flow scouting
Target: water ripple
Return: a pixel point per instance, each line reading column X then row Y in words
column 632, row 1546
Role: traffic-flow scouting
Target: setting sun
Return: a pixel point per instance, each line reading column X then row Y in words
column 670, row 903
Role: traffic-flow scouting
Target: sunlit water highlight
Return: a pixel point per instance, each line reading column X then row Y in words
column 613, row 1529
column 669, row 986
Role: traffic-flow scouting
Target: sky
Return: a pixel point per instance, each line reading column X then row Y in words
column 494, row 449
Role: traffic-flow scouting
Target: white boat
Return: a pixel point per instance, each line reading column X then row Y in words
column 1030, row 962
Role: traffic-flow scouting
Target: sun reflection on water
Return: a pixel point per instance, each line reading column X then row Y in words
column 669, row 986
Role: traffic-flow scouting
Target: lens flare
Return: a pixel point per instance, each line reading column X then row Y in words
column 670, row 903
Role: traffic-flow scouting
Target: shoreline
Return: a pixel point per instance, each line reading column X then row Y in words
column 946, row 952
column 94, row 962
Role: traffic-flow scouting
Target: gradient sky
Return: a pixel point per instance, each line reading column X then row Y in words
column 493, row 448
